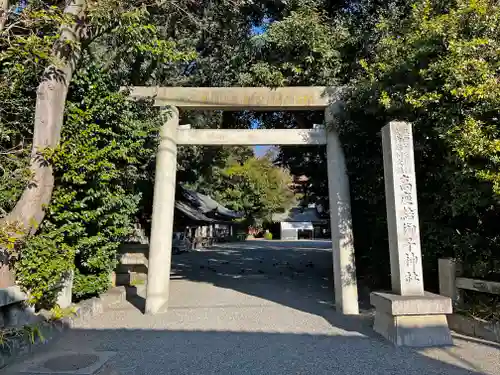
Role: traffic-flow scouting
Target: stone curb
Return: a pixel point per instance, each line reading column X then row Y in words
column 474, row 327
column 50, row 331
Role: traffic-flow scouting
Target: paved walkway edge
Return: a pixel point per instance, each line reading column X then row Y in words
column 15, row 348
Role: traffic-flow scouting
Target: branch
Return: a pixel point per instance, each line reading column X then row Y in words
column 13, row 150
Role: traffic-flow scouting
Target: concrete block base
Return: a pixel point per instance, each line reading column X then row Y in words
column 413, row 330
column 414, row 321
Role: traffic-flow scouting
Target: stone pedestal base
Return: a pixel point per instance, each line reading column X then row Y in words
column 415, row 321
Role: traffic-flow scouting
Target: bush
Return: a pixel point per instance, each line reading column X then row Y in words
column 41, row 264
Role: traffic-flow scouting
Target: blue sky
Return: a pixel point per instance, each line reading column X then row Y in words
column 258, row 30
column 259, row 150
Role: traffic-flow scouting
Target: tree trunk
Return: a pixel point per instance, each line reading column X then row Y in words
column 51, row 97
column 4, row 8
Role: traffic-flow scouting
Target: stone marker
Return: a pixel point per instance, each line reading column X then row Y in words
column 407, row 316
column 402, row 210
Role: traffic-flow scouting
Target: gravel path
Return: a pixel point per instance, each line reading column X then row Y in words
column 261, row 307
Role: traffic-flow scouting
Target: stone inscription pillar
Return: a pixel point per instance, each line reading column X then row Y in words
column 408, row 316
column 344, row 268
column 402, row 210
column 160, row 247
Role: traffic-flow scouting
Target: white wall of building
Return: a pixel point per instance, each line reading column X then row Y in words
column 290, row 230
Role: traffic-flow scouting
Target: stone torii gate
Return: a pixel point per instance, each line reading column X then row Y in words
column 245, row 98
column 408, row 315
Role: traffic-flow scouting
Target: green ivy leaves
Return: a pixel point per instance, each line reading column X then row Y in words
column 107, row 144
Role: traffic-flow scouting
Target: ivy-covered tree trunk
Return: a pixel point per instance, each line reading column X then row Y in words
column 49, row 112
column 51, row 97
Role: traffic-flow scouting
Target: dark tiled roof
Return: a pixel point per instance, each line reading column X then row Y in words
column 201, row 207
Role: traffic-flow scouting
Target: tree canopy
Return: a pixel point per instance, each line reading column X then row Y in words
column 254, row 186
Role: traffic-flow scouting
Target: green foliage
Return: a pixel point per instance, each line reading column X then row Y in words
column 114, row 32
column 18, row 81
column 31, row 333
column 137, row 282
column 28, row 40
column 255, row 187
column 302, row 46
column 104, row 160
column 9, row 232
column 238, row 180
column 40, row 265
column 437, row 68
column 107, row 145
column 58, row 313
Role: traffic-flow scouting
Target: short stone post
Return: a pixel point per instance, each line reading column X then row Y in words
column 449, row 269
column 64, row 297
column 344, row 267
column 407, row 316
column 160, row 245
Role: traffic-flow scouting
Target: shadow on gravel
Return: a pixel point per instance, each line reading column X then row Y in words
column 146, row 352
column 293, row 274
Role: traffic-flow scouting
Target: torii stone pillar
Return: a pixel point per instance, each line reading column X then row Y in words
column 160, row 246
column 344, row 268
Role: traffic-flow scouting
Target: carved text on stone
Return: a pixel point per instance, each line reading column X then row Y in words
column 404, row 176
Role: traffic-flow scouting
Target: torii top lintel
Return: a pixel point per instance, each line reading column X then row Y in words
column 237, row 98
